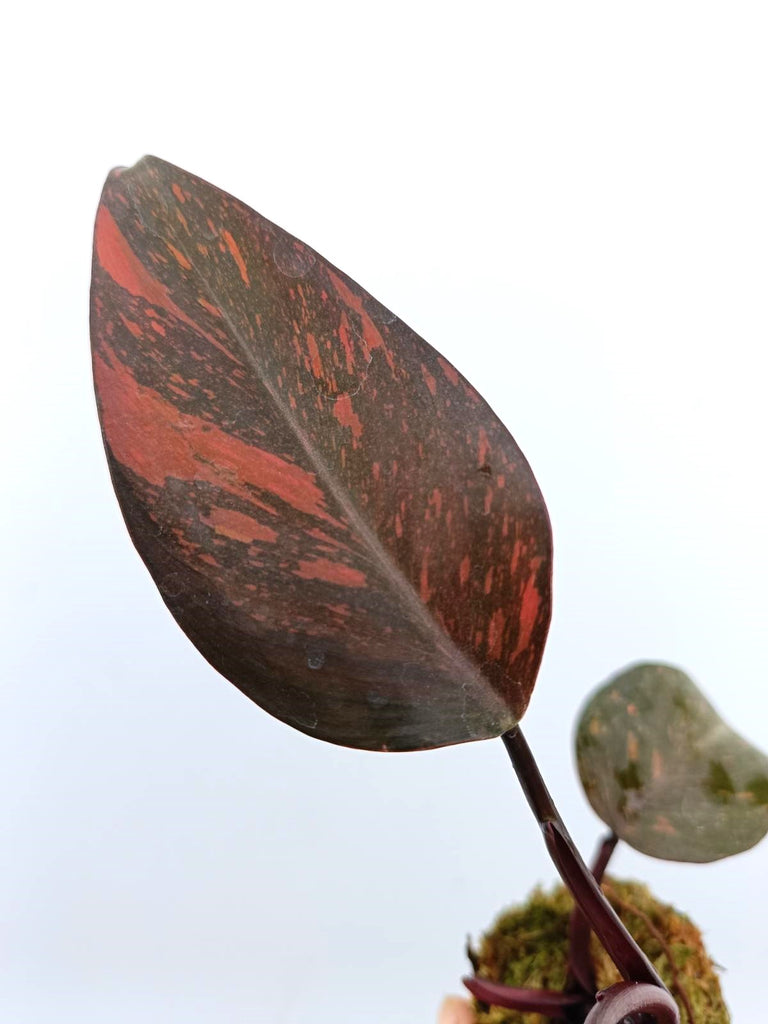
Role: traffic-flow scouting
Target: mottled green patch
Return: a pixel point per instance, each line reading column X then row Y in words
column 758, row 788
column 528, row 947
column 629, row 777
column 680, row 702
column 719, row 783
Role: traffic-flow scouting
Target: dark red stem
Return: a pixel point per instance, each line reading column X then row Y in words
column 527, row 1000
column 631, row 1001
column 581, row 970
column 629, row 959
column 603, row 857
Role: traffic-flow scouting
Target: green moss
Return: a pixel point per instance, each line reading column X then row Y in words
column 528, row 946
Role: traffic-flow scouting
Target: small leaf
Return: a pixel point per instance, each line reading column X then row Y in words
column 663, row 770
column 332, row 514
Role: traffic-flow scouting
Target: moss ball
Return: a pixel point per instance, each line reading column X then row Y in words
column 528, row 947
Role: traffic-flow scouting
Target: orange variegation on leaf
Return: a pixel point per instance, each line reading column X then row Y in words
column 333, row 515
column 663, row 770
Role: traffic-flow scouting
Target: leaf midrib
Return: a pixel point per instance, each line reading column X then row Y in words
column 381, row 557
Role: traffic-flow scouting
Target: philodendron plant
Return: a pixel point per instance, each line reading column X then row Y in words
column 346, row 531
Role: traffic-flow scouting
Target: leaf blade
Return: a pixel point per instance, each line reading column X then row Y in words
column 307, row 480
column 663, row 770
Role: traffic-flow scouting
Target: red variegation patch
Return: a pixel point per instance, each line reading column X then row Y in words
column 333, row 515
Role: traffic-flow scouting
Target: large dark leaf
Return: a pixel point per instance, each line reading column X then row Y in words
column 664, row 771
column 332, row 514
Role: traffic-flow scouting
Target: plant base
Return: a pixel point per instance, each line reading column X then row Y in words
column 528, row 947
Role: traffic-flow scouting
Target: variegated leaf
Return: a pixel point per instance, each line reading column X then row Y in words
column 331, row 512
column 664, row 771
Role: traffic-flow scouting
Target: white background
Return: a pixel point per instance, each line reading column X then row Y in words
column 569, row 200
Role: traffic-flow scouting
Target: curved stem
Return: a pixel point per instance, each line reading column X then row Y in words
column 554, row 1005
column 581, row 970
column 632, row 1000
column 630, row 960
column 604, row 855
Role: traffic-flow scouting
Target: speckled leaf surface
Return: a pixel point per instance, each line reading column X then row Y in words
column 333, row 515
column 664, row 771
